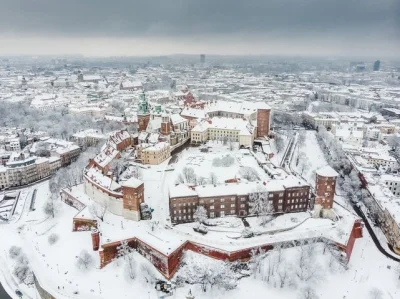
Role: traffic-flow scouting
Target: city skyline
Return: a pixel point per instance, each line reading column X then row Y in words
column 126, row 28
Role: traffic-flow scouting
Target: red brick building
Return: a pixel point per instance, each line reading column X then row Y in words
column 263, row 122
column 287, row 195
column 325, row 186
column 168, row 263
column 133, row 196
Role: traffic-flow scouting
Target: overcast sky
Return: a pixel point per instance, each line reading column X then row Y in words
column 161, row 27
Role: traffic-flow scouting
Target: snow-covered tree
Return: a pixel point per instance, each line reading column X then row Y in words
column 260, row 205
column 14, row 252
column 200, row 215
column 375, row 293
column 84, row 260
column 256, row 258
column 213, row 178
column 307, row 293
column 22, row 270
column 224, row 161
column 53, row 238
column 207, row 273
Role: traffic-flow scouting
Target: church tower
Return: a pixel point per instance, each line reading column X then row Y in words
column 143, row 113
column 165, row 125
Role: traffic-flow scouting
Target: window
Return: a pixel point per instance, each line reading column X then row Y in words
column 243, row 199
column 211, row 207
column 242, row 205
column 174, row 212
column 232, row 199
column 211, row 200
column 222, row 214
column 212, row 215
column 232, row 205
column 271, row 195
column 222, row 199
column 232, row 211
column 280, row 201
column 175, row 218
column 222, row 206
column 281, row 194
column 290, row 195
column 174, row 205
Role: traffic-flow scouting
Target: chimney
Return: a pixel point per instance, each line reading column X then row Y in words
column 95, row 239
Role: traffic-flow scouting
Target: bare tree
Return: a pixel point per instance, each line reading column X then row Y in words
column 232, row 145
column 256, row 258
column 283, row 274
column 249, row 173
column 127, row 252
column 189, row 175
column 98, row 210
column 49, row 208
column 84, row 260
column 279, row 143
column 213, row 178
column 180, row 179
column 147, row 273
column 201, row 180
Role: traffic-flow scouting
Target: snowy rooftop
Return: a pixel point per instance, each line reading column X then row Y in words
column 132, row 182
column 327, row 171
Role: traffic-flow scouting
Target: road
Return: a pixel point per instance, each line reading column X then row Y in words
column 3, row 293
column 372, row 234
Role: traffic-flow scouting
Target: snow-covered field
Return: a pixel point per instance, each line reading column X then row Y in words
column 202, row 162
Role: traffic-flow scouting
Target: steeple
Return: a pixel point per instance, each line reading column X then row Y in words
column 143, row 106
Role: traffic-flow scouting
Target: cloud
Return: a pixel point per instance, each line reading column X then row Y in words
column 294, row 21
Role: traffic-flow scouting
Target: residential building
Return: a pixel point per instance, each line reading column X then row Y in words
column 286, row 195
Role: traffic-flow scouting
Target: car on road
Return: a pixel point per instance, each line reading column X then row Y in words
column 18, row 293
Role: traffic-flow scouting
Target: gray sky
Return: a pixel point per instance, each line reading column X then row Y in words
column 160, row 27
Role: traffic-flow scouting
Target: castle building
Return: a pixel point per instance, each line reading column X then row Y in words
column 286, row 196
column 325, row 186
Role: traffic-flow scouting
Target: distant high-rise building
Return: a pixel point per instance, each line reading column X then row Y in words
column 377, row 65
column 202, row 58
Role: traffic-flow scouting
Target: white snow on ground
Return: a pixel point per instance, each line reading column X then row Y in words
column 202, row 163
column 313, row 156
column 368, row 268
column 55, row 264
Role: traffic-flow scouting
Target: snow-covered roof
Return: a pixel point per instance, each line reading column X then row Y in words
column 132, row 183
column 327, row 171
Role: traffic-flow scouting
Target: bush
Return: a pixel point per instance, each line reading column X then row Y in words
column 53, row 238
column 14, row 252
column 225, row 161
column 22, row 270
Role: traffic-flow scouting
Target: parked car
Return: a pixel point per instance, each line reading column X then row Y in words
column 201, row 229
column 18, row 293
